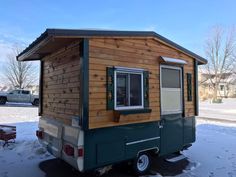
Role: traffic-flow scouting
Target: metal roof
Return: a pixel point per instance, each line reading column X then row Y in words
column 74, row 33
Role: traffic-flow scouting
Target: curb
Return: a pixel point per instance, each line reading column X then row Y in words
column 216, row 120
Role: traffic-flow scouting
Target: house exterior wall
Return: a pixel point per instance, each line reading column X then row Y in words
column 61, row 84
column 232, row 91
column 227, row 87
column 134, row 53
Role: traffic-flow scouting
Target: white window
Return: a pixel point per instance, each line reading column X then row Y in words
column 128, row 89
column 171, row 90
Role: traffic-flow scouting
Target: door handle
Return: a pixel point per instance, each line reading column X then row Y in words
column 161, row 123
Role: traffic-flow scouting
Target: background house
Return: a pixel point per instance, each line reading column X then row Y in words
column 227, row 86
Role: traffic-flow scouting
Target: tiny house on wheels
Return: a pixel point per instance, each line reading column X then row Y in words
column 112, row 96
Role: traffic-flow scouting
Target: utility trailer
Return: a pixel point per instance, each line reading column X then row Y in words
column 113, row 96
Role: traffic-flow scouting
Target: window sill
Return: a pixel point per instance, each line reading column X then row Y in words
column 117, row 113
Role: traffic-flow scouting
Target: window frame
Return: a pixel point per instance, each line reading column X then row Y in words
column 172, row 89
column 123, row 70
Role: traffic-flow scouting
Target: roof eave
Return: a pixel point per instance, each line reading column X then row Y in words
column 49, row 33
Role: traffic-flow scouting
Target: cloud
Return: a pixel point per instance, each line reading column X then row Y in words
column 5, row 50
column 150, row 28
column 7, row 43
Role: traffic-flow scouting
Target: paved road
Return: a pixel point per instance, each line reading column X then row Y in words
column 223, row 111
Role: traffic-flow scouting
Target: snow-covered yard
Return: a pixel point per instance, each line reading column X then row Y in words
column 213, row 154
column 225, row 110
column 21, row 159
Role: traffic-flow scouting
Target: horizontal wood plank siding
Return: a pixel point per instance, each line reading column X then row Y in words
column 134, row 53
column 61, row 84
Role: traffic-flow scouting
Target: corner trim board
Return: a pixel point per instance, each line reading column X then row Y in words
column 196, row 87
column 40, row 110
column 84, row 76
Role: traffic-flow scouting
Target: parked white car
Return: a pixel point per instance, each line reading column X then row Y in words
column 19, row 96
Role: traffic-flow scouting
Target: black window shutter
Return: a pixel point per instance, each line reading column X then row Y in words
column 110, row 88
column 189, row 86
column 146, row 88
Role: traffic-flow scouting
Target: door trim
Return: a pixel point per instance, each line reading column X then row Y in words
column 181, row 89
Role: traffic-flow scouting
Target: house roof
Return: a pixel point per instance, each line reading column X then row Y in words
column 53, row 39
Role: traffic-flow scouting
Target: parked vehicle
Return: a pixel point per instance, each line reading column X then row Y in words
column 113, row 96
column 19, row 96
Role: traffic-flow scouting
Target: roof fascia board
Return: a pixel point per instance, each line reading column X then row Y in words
column 34, row 48
column 64, row 33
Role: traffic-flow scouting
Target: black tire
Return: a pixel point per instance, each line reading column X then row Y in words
column 142, row 163
column 3, row 100
column 36, row 102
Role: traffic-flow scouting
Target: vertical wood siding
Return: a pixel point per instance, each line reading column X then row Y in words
column 61, row 84
column 134, row 53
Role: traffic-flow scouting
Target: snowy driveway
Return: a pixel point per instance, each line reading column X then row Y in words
column 213, row 154
column 225, row 110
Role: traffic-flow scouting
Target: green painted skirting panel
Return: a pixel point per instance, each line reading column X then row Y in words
column 115, row 144
column 189, row 130
column 171, row 133
column 111, row 145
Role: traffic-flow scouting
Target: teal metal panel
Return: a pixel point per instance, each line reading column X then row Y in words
column 106, row 146
column 110, row 145
column 189, row 130
column 108, row 152
column 171, row 133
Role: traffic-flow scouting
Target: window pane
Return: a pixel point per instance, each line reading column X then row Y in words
column 171, row 100
column 25, row 92
column 135, row 90
column 121, row 90
column 170, row 78
column 16, row 92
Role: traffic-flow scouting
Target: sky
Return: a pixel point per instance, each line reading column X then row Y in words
column 185, row 22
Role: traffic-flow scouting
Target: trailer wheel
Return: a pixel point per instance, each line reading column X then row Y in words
column 142, row 163
column 3, row 100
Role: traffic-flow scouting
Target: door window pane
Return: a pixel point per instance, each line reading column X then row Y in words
column 171, row 92
column 170, row 78
column 16, row 92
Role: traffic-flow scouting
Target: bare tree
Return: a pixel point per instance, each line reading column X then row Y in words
column 20, row 74
column 220, row 49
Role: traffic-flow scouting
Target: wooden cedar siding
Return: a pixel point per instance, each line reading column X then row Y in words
column 135, row 53
column 61, row 84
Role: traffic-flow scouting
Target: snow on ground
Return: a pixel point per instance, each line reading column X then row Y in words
column 21, row 159
column 213, row 153
column 225, row 110
column 18, row 112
